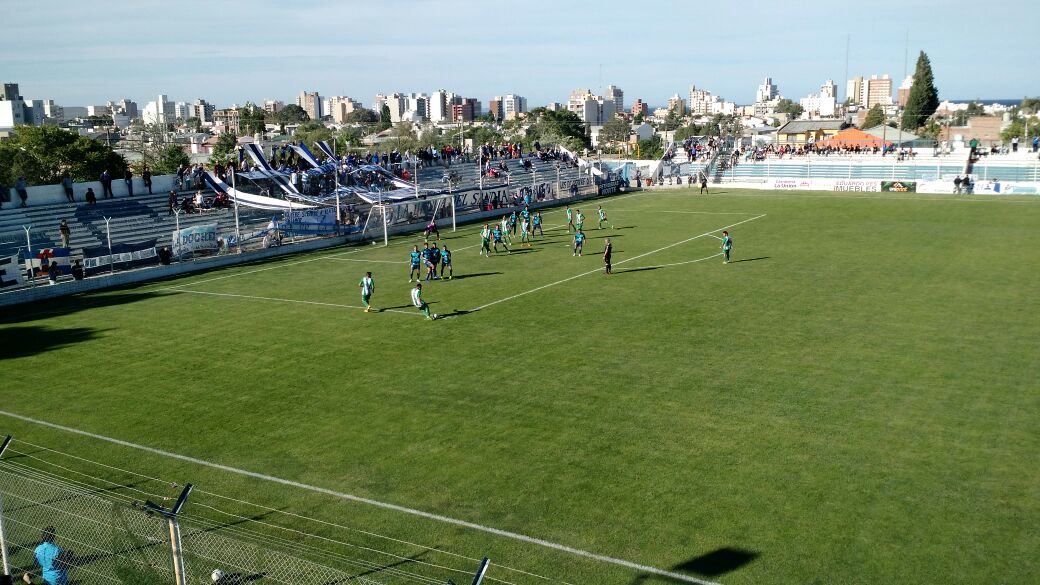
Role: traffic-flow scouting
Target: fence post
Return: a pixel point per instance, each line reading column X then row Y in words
column 179, row 574
column 3, row 537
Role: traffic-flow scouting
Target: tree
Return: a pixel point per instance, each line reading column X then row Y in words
column 923, row 99
column 42, row 154
column 975, row 108
column 310, row 132
column 194, row 123
column 638, row 119
column 1029, row 105
column 1018, row 128
column 786, row 106
column 652, row 148
column 224, row 151
column 292, row 114
column 557, row 127
column 362, row 116
column 875, row 117
column 673, row 121
column 170, row 158
column 688, row 132
column 617, row 129
column 384, row 118
column 251, row 119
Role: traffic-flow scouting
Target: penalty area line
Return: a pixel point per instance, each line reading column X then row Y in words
column 363, row 500
column 595, row 270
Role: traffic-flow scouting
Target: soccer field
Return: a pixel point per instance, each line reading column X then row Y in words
column 853, row 399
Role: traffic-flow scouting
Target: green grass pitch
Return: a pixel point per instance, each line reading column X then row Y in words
column 853, row 400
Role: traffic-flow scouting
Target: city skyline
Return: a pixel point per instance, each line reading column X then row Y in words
column 227, row 64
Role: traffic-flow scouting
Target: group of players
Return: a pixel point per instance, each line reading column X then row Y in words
column 491, row 237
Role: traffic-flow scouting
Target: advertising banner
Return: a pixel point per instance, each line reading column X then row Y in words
column 899, row 186
column 11, row 271
column 200, row 238
column 123, row 256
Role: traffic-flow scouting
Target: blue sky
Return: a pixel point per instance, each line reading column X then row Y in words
column 86, row 52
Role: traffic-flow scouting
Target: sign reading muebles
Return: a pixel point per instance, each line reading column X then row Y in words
column 200, row 238
column 123, row 256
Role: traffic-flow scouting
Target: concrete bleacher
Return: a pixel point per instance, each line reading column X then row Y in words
column 849, row 167
column 143, row 217
column 131, row 220
column 1018, row 166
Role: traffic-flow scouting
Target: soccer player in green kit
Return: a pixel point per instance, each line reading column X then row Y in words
column 485, row 241
column 727, row 245
column 367, row 286
column 525, row 233
column 570, row 218
column 579, row 220
column 419, row 303
column 496, row 239
column 603, row 218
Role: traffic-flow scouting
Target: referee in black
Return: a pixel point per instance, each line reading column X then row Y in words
column 608, row 248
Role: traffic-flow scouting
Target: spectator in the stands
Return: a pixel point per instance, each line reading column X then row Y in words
column 146, row 176
column 53, row 560
column 66, row 183
column 128, row 178
column 90, row 197
column 22, row 190
column 52, row 272
column 171, row 202
column 106, row 184
column 77, row 270
column 63, row 229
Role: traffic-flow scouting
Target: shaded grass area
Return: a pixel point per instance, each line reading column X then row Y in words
column 852, row 400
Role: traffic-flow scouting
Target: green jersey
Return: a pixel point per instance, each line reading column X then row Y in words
column 602, row 215
column 569, row 214
column 367, row 286
column 727, row 243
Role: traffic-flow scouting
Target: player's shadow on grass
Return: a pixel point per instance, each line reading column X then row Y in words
column 643, row 269
column 717, row 562
column 33, row 340
column 474, row 275
column 749, row 259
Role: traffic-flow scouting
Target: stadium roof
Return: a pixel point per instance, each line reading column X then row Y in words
column 855, row 137
column 893, row 134
column 798, row 126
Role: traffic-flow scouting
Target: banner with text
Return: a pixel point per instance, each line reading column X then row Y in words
column 200, row 238
column 122, row 257
column 899, row 186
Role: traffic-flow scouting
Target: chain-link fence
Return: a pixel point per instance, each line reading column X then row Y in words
column 84, row 534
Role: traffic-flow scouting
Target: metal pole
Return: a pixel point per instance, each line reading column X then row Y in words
column 111, row 260
column 3, row 536
column 452, row 210
column 3, row 540
column 28, row 255
column 339, row 219
column 179, row 576
column 386, row 235
column 238, row 233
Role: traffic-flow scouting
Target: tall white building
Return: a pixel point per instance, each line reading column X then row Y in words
column 829, row 89
column 512, row 105
column 617, row 96
column 441, row 102
column 767, row 92
column 340, row 106
column 418, row 108
column 161, row 111
column 311, row 103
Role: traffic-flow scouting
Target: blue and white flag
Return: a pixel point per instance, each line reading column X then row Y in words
column 11, row 272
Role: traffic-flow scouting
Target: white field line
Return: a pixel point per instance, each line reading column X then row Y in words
column 256, row 298
column 643, row 255
column 363, row 500
column 338, row 254
column 689, row 212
